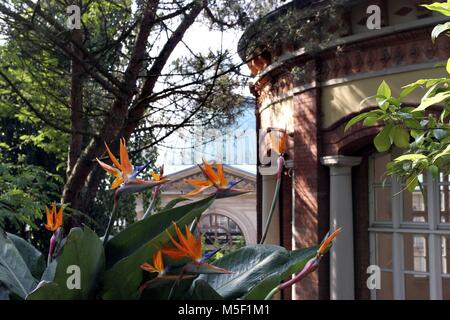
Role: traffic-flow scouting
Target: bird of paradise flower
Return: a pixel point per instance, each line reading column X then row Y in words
column 214, row 178
column 126, row 181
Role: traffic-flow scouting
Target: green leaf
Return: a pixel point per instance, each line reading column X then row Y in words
column 172, row 203
column 401, row 137
column 429, row 101
column 33, row 258
column 443, row 7
column 370, row 121
column 262, row 289
column 413, row 124
column 382, row 141
column 14, row 273
column 448, row 64
column 440, row 133
column 251, row 265
column 384, row 90
column 122, row 280
column 83, row 249
column 356, row 119
column 201, row 290
column 410, row 157
column 411, row 183
column 141, row 232
column 440, row 28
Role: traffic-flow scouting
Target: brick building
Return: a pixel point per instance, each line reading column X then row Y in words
column 334, row 177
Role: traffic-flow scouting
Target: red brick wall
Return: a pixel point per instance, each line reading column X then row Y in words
column 306, row 181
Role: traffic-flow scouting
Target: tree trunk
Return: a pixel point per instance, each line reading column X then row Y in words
column 136, row 113
column 117, row 114
column 76, row 106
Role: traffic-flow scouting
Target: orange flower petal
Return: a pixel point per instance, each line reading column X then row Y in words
column 198, row 183
column 328, row 241
column 127, row 168
column 148, row 267
column 156, row 176
column 173, row 253
column 182, row 240
column 59, row 217
column 209, row 172
column 117, row 182
column 158, row 261
column 176, row 244
column 221, row 175
column 113, row 158
column 196, row 191
column 111, row 170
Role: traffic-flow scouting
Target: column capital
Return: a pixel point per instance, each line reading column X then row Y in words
column 340, row 161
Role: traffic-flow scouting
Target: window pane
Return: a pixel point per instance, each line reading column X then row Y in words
column 446, row 288
column 445, row 246
column 386, row 291
column 415, row 252
column 444, row 204
column 417, row 287
column 384, row 250
column 380, row 162
column 414, row 204
column 383, row 200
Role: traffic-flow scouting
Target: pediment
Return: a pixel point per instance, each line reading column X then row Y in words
column 178, row 186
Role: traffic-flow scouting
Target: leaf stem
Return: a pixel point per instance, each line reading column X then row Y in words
column 272, row 293
column 110, row 223
column 272, row 210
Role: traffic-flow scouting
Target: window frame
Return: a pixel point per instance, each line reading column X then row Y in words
column 433, row 230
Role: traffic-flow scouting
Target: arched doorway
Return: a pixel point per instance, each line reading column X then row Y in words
column 220, row 230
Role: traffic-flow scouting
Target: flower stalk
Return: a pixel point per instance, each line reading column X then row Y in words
column 281, row 148
column 309, row 267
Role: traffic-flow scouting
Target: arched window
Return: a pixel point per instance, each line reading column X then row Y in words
column 409, row 235
column 219, row 230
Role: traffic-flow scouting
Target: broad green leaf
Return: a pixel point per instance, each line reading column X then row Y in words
column 382, row 141
column 201, row 290
column 401, row 137
column 429, row 101
column 4, row 293
column 410, row 157
column 123, row 279
column 440, row 133
column 297, row 261
column 411, row 183
column 83, row 249
column 384, row 90
column 413, row 124
column 165, row 289
column 443, row 153
column 172, row 203
column 14, row 273
column 251, row 265
column 356, row 119
column 141, row 232
column 33, row 258
column 370, row 121
column 262, row 289
column 443, row 7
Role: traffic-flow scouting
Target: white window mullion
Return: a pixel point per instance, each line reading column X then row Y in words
column 397, row 241
column 434, row 243
column 373, row 259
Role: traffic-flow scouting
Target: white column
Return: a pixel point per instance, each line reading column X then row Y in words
column 342, row 276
